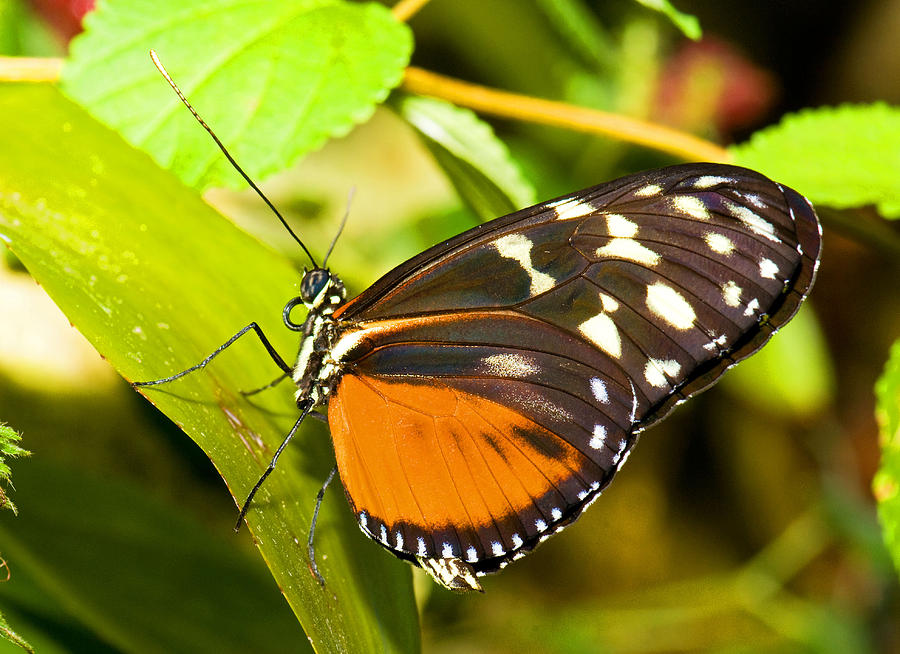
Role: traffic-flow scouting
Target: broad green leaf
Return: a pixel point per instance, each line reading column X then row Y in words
column 476, row 161
column 274, row 79
column 795, row 368
column 155, row 279
column 688, row 24
column 886, row 484
column 143, row 577
column 845, row 156
column 9, row 449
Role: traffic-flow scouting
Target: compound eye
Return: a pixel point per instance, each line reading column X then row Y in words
column 312, row 284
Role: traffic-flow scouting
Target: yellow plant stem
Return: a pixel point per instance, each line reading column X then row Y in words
column 30, row 69
column 406, row 9
column 559, row 114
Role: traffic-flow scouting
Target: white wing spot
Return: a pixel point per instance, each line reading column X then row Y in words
column 707, row 181
column 517, row 541
column 518, row 247
column 626, row 248
column 731, row 293
column 716, row 344
column 570, row 209
column 363, row 520
column 602, row 332
column 620, row 227
column 508, row 364
column 657, row 372
column 768, row 269
column 752, row 307
column 667, row 303
column 556, row 514
column 447, row 551
column 598, row 389
column 422, row 549
column 540, row 525
column 634, row 403
column 471, row 554
column 649, row 190
column 609, row 303
column 497, row 548
column 719, row 243
column 753, row 222
column 399, row 541
column 555, row 203
column 755, row 200
column 618, row 455
column 691, row 206
column 384, row 534
column 598, row 438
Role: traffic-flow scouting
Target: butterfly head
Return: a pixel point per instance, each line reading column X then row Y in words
column 321, row 290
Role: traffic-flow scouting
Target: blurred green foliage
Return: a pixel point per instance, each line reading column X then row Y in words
column 886, row 483
column 743, row 523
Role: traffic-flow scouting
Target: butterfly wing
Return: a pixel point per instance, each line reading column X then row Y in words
column 493, row 385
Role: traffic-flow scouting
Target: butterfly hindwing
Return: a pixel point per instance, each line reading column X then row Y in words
column 492, row 386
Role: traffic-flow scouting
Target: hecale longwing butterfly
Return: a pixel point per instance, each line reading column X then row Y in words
column 481, row 395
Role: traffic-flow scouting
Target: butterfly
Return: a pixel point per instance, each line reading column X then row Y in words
column 482, row 394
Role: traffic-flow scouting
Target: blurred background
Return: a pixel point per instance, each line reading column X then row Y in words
column 743, row 523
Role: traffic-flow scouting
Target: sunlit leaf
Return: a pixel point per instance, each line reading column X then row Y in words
column 687, row 23
column 476, row 161
column 845, row 156
column 295, row 73
column 9, row 449
column 155, row 279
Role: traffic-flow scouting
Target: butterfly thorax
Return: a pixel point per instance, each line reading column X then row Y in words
column 322, row 293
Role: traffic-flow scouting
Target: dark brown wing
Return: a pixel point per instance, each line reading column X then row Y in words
column 493, row 385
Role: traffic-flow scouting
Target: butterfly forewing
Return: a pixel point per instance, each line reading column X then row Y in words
column 491, row 387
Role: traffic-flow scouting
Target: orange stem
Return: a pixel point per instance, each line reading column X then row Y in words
column 30, row 69
column 406, row 9
column 560, row 114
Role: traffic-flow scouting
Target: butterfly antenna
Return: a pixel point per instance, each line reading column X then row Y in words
column 341, row 228
column 164, row 73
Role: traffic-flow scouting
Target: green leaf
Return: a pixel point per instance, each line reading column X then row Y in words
column 11, row 636
column 845, row 156
column 475, row 160
column 274, row 79
column 143, row 577
column 886, row 484
column 155, row 279
column 9, row 449
column 688, row 24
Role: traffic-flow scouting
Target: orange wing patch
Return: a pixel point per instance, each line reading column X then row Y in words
column 432, row 471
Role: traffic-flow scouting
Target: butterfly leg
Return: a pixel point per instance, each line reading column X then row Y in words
column 312, row 529
column 262, row 337
column 271, row 384
column 305, row 408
